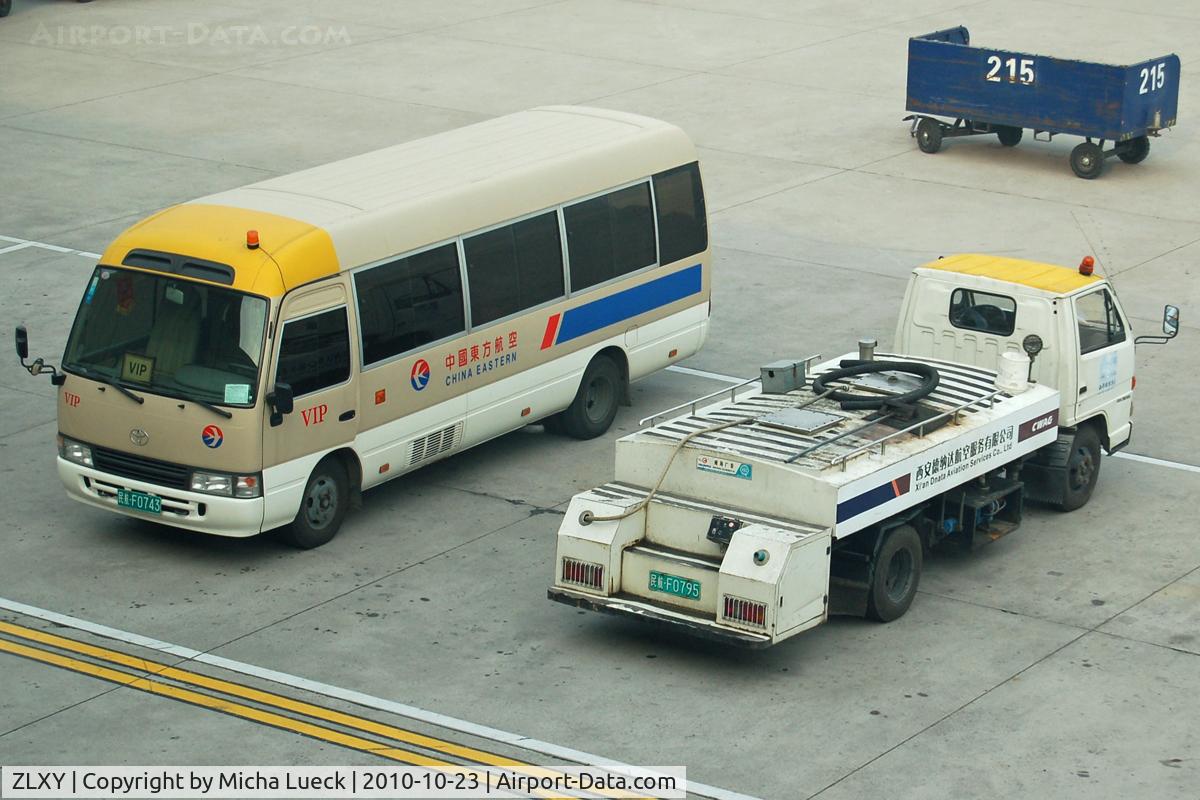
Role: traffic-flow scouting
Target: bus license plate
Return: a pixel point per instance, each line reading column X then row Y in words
column 673, row 584
column 139, row 501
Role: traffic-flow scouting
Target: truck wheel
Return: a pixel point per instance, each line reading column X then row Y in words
column 1087, row 160
column 595, row 405
column 1008, row 135
column 1083, row 469
column 1135, row 150
column 929, row 135
column 897, row 574
column 323, row 507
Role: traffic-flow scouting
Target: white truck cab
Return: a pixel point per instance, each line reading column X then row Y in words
column 971, row 308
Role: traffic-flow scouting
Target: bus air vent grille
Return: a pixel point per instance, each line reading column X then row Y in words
column 434, row 444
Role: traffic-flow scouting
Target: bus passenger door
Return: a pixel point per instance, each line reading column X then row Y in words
column 314, row 356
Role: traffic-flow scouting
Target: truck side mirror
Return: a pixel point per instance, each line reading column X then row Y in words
column 282, row 398
column 23, row 341
column 1170, row 327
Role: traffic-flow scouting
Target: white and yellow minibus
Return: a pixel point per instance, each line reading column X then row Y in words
column 255, row 359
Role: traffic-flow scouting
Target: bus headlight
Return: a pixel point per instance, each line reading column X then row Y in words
column 74, row 451
column 212, row 483
column 237, row 486
column 228, row 485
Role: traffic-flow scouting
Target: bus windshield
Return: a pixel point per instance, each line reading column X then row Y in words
column 169, row 336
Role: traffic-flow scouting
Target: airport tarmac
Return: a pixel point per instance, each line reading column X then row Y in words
column 1061, row 661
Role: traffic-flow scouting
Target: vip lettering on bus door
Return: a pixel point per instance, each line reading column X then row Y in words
column 314, row 415
column 71, row 399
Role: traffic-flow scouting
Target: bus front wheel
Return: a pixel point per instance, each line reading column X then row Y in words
column 322, row 508
column 595, row 405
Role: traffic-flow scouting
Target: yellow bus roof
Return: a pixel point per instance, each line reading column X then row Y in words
column 299, row 252
column 1034, row 274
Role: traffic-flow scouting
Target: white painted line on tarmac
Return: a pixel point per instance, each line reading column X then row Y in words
column 699, row 373
column 21, row 244
column 349, row 695
column 1158, row 462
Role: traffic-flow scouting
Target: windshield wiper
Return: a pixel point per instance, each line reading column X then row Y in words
column 209, row 406
column 96, row 376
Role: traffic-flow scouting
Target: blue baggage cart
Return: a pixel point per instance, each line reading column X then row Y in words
column 1003, row 92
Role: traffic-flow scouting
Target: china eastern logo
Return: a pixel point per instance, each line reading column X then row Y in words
column 419, row 378
column 212, row 436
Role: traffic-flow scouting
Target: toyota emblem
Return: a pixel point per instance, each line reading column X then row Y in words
column 139, row 437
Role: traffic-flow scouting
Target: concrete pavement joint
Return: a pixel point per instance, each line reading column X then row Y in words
column 947, row 716
column 1083, row 631
column 1000, row 193
column 137, row 148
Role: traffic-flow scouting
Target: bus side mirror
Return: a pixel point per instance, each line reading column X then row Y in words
column 282, row 399
column 23, row 342
column 1170, row 327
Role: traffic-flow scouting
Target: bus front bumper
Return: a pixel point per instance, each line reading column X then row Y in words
column 193, row 511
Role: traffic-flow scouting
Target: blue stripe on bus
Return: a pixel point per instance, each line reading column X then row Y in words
column 593, row 316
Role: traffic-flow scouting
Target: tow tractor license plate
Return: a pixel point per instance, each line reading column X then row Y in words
column 139, row 501
column 673, row 584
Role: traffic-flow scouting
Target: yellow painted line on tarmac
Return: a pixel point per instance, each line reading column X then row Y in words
column 259, row 696
column 269, row 718
column 226, row 706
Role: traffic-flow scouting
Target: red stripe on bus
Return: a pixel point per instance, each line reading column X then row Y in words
column 551, row 331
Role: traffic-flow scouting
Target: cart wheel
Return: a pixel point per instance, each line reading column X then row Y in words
column 1135, row 150
column 1008, row 135
column 929, row 135
column 5, row 7
column 1087, row 160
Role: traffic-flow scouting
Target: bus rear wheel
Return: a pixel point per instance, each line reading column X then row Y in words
column 897, row 574
column 594, row 408
column 322, row 508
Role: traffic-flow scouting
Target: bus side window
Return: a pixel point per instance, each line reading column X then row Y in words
column 682, row 223
column 409, row 302
column 515, row 267
column 314, row 352
column 610, row 235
